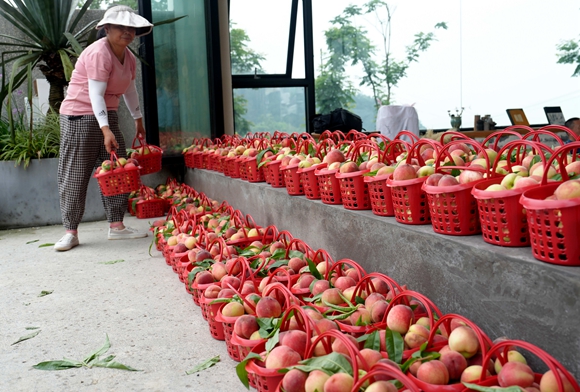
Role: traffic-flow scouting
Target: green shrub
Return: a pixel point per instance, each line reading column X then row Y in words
column 42, row 142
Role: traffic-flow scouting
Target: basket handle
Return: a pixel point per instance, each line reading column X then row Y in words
column 560, row 154
column 141, row 141
column 497, row 136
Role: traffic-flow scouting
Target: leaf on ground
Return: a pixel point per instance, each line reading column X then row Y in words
column 95, row 354
column 112, row 261
column 57, row 365
column 30, row 328
column 26, row 337
column 114, row 365
column 204, row 365
column 45, row 292
column 45, row 245
column 31, row 242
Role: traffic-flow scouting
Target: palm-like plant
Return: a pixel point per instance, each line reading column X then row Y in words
column 50, row 43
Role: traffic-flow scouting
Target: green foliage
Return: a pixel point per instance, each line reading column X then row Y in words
column 42, row 142
column 347, row 43
column 104, row 4
column 569, row 53
column 48, row 27
column 243, row 59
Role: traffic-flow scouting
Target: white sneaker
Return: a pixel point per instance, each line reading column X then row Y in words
column 126, row 233
column 68, row 241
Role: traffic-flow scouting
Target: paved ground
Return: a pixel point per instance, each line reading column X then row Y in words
column 151, row 321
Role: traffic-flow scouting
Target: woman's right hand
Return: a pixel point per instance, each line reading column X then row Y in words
column 110, row 140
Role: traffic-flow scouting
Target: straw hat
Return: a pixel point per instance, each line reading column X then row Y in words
column 125, row 16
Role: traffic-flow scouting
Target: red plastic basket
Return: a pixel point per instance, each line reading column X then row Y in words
column 198, row 160
column 150, row 157
column 253, row 173
column 554, row 226
column 119, row 180
column 233, row 167
column 410, row 201
column 453, row 209
column 380, row 195
column 216, row 328
column 243, row 168
column 189, row 159
column 502, row 217
column 228, row 325
column 150, row 208
column 329, row 186
column 310, row 181
column 292, row 180
column 274, row 176
column 354, row 191
column 264, row 380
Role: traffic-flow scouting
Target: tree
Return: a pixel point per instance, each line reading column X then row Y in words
column 48, row 26
column 104, row 4
column 347, row 43
column 569, row 53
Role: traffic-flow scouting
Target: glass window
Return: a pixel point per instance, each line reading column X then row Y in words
column 269, row 109
column 495, row 55
column 266, row 24
column 181, row 74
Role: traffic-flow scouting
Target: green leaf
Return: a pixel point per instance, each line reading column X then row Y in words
column 331, row 363
column 204, row 365
column 277, row 264
column 30, row 242
column 57, row 365
column 114, row 365
column 295, row 253
column 313, row 270
column 395, row 345
column 45, row 292
column 26, row 337
column 31, row 328
column 261, row 155
column 405, row 366
column 112, row 261
column 476, row 387
column 371, row 174
column 241, row 368
column 98, row 352
column 46, row 245
column 278, row 254
column 273, row 341
column 373, row 341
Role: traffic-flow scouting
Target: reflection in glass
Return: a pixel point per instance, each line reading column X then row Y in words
column 181, row 74
column 269, row 110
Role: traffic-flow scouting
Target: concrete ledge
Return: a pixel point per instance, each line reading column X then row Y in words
column 504, row 290
column 29, row 197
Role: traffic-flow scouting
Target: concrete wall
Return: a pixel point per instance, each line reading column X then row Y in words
column 504, row 290
column 29, row 197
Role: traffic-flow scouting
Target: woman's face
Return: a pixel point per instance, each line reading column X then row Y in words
column 121, row 35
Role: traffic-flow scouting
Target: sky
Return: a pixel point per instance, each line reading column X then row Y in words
column 495, row 54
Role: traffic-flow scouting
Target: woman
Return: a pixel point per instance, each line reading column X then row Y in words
column 104, row 71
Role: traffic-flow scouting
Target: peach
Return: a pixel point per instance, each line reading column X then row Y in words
column 281, row 357
column 385, row 170
column 324, row 325
column 404, row 172
column 370, row 356
column 523, row 182
column 315, row 381
column 334, row 155
column 339, row 382
column 515, row 373
column 202, row 254
column 348, row 167
column 454, row 362
column 294, row 381
column 305, row 280
column 416, row 336
column 376, row 166
column 338, row 346
column 548, row 382
column 233, row 281
column 332, row 296
column 250, row 299
column 433, row 372
column 296, row 263
column 296, row 340
column 372, row 298
column 248, row 287
column 381, row 386
column 218, row 270
column 573, row 167
column 361, row 316
column 226, row 293
column 568, row 190
column 204, row 277
column 378, row 310
column 464, row 340
column 469, row 176
column 379, row 286
column 268, row 307
column 400, row 318
column 319, row 286
column 472, row 373
column 415, row 367
column 245, row 326
column 344, row 282
column 212, row 291
column 447, row 180
column 512, row 356
column 433, row 179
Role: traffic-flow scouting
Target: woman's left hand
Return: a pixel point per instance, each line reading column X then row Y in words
column 139, row 129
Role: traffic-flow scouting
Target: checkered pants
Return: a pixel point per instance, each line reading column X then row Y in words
column 82, row 149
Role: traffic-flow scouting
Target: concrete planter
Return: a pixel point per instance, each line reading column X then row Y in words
column 30, row 196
